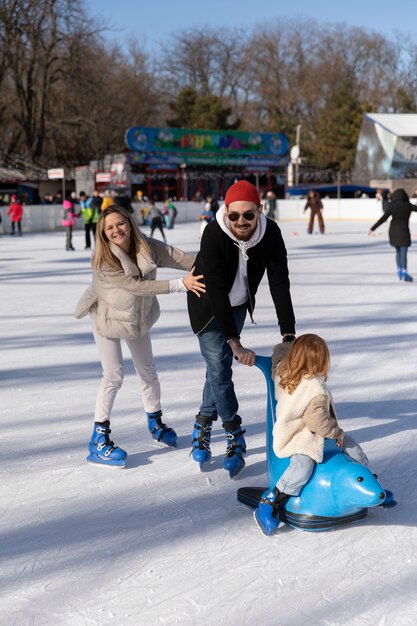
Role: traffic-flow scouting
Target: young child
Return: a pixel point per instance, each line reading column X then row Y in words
column 305, row 417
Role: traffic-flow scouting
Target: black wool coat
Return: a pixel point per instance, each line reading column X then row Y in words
column 218, row 261
column 399, row 210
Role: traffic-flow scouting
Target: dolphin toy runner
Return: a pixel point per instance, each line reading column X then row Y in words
column 339, row 491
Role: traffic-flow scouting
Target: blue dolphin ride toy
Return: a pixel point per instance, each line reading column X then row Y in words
column 339, row 490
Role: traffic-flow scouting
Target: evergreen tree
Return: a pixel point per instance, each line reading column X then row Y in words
column 404, row 101
column 194, row 111
column 338, row 127
column 183, row 109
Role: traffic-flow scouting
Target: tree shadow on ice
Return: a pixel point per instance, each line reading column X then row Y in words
column 401, row 413
column 38, row 274
column 52, row 373
column 44, row 340
column 138, row 524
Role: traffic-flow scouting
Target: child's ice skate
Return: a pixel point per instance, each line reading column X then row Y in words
column 266, row 514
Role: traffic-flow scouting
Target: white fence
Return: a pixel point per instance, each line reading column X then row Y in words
column 38, row 218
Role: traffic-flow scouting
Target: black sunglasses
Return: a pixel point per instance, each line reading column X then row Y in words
column 233, row 217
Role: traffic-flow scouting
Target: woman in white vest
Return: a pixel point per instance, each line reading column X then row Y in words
column 305, row 417
column 122, row 303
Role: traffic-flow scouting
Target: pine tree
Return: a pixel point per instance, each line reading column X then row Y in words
column 338, row 128
column 194, row 111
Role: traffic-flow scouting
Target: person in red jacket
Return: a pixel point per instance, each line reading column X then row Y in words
column 15, row 211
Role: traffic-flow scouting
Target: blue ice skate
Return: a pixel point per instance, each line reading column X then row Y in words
column 339, row 490
column 200, row 450
column 160, row 431
column 266, row 513
column 236, row 448
column 406, row 276
column 102, row 450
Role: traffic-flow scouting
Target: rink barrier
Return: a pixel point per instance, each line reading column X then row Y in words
column 41, row 218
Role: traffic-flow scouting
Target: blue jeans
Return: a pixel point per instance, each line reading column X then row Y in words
column 401, row 255
column 301, row 467
column 219, row 396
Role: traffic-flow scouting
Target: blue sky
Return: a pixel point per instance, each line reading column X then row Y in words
column 152, row 22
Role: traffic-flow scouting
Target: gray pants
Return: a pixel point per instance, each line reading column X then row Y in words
column 68, row 232
column 301, row 467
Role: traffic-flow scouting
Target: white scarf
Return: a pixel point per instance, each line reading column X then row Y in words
column 239, row 291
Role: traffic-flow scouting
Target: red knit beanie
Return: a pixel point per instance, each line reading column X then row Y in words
column 242, row 191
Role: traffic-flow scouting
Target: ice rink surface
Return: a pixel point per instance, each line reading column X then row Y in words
column 159, row 542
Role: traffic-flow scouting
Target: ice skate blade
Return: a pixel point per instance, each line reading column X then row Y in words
column 204, row 466
column 95, row 460
column 234, row 472
column 161, row 444
column 203, row 458
column 258, row 523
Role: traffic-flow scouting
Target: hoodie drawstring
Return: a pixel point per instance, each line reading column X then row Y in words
column 243, row 246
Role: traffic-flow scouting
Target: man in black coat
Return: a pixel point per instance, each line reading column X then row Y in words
column 235, row 251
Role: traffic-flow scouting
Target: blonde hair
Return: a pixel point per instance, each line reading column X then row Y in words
column 309, row 356
column 103, row 254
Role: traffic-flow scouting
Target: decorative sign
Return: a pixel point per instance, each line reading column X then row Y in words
column 103, row 177
column 208, row 142
column 57, row 172
column 173, row 160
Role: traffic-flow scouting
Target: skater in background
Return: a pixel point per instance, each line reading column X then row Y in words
column 214, row 205
column 96, row 202
column 68, row 222
column 382, row 197
column 315, row 205
column 399, row 210
column 122, row 305
column 270, row 205
column 156, row 219
column 206, row 217
column 15, row 211
column 171, row 213
column 107, row 199
column 236, row 249
column 87, row 214
column 306, row 415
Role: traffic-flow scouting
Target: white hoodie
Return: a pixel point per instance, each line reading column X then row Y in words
column 239, row 291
